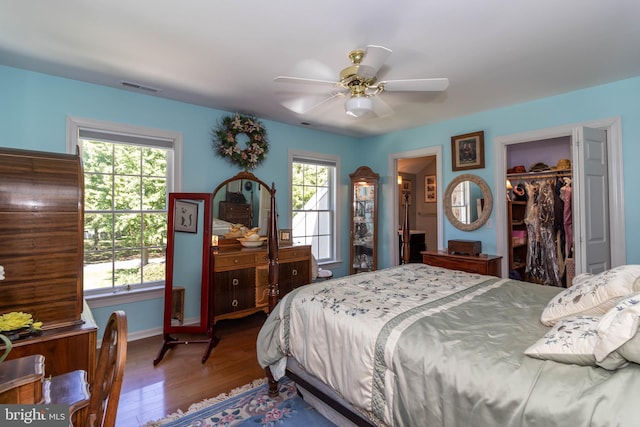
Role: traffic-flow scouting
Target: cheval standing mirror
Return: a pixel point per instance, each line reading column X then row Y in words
column 187, row 298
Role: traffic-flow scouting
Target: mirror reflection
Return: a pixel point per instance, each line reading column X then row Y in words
column 188, row 257
column 241, row 202
column 467, row 202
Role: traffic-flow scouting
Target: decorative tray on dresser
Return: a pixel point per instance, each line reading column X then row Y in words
column 490, row 265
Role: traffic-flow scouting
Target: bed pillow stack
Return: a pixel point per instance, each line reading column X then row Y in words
column 595, row 322
column 593, row 294
column 618, row 331
column 574, row 340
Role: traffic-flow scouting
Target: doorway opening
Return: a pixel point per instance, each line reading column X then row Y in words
column 419, row 174
column 616, row 228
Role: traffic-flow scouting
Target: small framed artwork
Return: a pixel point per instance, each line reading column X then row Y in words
column 284, row 237
column 467, row 151
column 185, row 217
column 430, row 189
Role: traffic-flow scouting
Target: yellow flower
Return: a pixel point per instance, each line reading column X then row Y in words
column 17, row 320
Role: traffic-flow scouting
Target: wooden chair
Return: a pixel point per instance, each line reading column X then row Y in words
column 97, row 408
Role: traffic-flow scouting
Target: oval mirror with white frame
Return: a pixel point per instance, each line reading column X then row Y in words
column 468, row 202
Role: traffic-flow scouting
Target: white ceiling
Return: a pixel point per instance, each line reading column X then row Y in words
column 224, row 54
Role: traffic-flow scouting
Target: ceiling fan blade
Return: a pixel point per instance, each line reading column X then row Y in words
column 305, row 104
column 374, row 58
column 381, row 108
column 298, row 80
column 419, row 85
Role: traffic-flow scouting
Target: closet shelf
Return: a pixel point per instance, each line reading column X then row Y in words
column 540, row 175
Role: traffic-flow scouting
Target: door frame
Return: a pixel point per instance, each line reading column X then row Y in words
column 392, row 202
column 613, row 126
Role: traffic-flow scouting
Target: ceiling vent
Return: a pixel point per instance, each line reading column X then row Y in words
column 137, row 86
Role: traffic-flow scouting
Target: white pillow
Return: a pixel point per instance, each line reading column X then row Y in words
column 618, row 328
column 593, row 294
column 572, row 340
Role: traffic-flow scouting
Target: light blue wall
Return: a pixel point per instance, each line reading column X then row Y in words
column 33, row 115
column 616, row 99
column 34, row 108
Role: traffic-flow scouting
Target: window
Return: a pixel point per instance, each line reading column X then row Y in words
column 461, row 203
column 313, row 204
column 128, row 174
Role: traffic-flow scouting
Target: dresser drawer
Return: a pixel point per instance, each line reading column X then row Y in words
column 294, row 253
column 235, row 260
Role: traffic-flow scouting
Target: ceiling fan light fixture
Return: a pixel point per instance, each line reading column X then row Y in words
column 358, row 106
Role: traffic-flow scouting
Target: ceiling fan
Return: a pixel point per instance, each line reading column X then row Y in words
column 360, row 84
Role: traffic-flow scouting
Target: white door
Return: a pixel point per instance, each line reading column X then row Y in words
column 592, row 228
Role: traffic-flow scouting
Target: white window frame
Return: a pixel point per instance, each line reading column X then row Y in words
column 311, row 157
column 174, row 183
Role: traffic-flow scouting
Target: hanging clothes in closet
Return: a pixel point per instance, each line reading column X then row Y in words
column 542, row 256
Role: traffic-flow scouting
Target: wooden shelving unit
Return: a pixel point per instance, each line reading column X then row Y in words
column 517, row 244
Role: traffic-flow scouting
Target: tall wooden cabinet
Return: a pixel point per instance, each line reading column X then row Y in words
column 364, row 219
column 517, row 232
column 41, row 227
column 240, row 278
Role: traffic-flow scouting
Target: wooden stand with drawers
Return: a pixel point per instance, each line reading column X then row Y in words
column 482, row 264
column 239, row 278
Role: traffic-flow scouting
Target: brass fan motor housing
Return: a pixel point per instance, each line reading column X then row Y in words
column 350, row 79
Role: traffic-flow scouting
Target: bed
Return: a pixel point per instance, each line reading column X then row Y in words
column 421, row 345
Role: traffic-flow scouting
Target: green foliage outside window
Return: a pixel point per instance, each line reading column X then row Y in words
column 125, row 223
column 305, row 179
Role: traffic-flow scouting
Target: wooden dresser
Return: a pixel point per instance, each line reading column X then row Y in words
column 239, row 277
column 41, row 227
column 236, row 213
column 490, row 265
column 65, row 349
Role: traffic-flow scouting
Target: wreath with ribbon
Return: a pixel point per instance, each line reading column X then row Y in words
column 225, row 140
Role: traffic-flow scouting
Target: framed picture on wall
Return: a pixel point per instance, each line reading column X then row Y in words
column 430, row 190
column 185, row 218
column 467, row 151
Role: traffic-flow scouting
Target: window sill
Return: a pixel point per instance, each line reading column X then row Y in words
column 123, row 297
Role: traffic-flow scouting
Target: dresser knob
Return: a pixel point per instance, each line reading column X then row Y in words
column 294, row 272
column 234, row 303
column 235, row 282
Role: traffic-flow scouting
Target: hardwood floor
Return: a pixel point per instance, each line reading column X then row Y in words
column 180, row 379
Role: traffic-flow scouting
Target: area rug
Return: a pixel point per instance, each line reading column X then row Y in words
column 249, row 405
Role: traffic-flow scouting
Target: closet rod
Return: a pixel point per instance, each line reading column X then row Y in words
column 540, row 175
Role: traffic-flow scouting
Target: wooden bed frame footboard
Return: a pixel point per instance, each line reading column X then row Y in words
column 273, row 300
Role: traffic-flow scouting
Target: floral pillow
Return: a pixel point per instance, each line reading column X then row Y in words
column 618, row 330
column 572, row 340
column 593, row 294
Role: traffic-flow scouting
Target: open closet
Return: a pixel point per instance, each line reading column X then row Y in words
column 540, row 211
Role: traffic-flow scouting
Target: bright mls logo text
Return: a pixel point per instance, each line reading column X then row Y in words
column 28, row 414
